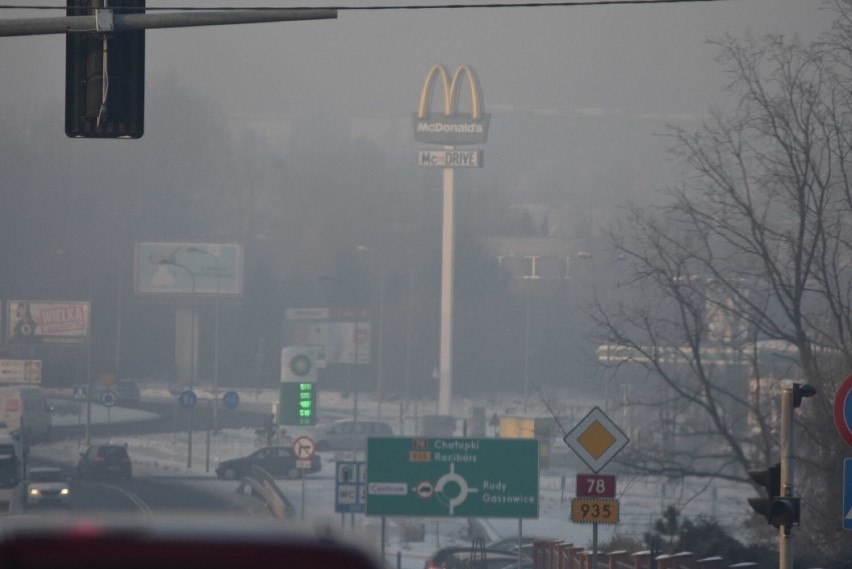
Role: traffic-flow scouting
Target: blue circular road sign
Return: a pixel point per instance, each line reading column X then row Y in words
column 108, row 398
column 231, row 400
column 188, row 399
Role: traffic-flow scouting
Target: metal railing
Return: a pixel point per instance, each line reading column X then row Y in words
column 263, row 486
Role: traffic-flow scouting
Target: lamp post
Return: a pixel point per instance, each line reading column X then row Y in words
column 380, row 331
column 191, row 350
column 215, row 334
column 355, row 299
column 88, row 432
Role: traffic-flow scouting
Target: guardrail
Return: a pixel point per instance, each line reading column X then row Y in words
column 263, row 485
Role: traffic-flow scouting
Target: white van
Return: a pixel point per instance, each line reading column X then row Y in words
column 25, row 410
column 12, row 464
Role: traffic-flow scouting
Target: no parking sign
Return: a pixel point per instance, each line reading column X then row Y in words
column 843, row 410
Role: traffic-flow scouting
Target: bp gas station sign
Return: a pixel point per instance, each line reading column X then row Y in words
column 452, row 477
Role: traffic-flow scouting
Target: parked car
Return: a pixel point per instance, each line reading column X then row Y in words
column 511, row 544
column 349, row 435
column 125, row 390
column 105, row 460
column 47, row 486
column 466, row 557
column 278, row 461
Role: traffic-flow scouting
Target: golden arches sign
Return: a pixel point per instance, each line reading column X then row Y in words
column 450, row 127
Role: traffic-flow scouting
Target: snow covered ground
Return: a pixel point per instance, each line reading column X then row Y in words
column 642, row 500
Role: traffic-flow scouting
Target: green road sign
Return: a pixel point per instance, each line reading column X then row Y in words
column 482, row 478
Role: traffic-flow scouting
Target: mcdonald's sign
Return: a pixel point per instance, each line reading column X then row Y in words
column 448, row 126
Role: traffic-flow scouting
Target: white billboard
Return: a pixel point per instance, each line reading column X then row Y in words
column 188, row 268
column 334, row 329
column 20, row 371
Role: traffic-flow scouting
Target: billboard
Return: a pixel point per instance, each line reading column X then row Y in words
column 20, row 371
column 47, row 322
column 333, row 330
column 170, row 268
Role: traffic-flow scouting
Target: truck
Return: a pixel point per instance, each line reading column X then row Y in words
column 25, row 411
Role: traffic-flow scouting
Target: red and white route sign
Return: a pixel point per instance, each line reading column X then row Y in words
column 595, row 486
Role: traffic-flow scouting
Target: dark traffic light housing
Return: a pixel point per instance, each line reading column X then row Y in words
column 778, row 510
column 104, row 74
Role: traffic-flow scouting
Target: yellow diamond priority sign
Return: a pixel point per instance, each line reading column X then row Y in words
column 596, row 439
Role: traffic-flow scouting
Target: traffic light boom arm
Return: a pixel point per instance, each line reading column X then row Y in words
column 135, row 22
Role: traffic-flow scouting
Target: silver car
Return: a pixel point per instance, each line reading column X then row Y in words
column 47, row 486
column 349, row 435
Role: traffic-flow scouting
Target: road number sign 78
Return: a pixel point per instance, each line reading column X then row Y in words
column 594, row 510
column 595, row 486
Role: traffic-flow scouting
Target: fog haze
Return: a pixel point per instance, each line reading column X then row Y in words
column 300, row 133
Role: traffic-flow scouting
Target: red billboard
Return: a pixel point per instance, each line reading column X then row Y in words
column 47, row 322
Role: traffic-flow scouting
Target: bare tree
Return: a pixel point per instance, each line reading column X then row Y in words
column 743, row 277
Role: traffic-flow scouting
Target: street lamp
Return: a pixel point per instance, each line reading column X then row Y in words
column 380, row 331
column 215, row 333
column 88, row 434
column 191, row 350
column 355, row 299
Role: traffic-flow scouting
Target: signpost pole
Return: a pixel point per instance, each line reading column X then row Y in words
column 595, row 544
column 520, row 539
column 210, row 417
column 445, row 385
column 785, row 537
column 383, row 539
column 302, row 476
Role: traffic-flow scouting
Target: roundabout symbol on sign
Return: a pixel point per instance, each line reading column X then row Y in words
column 108, row 399
column 188, row 399
column 452, row 478
column 843, row 410
column 231, row 400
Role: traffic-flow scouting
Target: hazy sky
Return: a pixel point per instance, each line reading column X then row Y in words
column 632, row 59
column 641, row 65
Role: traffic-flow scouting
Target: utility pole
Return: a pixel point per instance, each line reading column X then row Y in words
column 788, row 508
column 780, row 508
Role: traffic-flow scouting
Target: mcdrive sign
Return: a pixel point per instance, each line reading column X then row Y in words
column 451, row 127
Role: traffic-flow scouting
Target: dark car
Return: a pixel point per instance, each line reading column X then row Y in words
column 277, row 461
column 466, row 557
column 105, row 460
column 348, row 435
column 125, row 391
column 511, row 544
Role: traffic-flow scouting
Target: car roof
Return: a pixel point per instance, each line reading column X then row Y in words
column 45, row 469
column 466, row 549
column 109, row 446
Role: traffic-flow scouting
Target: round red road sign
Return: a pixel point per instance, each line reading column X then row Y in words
column 843, row 410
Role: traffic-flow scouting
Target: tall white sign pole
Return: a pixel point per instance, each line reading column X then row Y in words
column 445, row 386
column 449, row 129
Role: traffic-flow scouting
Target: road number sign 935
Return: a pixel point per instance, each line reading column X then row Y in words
column 594, row 510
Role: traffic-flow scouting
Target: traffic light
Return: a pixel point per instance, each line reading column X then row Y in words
column 771, row 480
column 104, row 74
column 778, row 510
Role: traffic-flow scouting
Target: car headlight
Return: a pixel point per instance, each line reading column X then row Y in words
column 64, row 491
column 34, row 492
